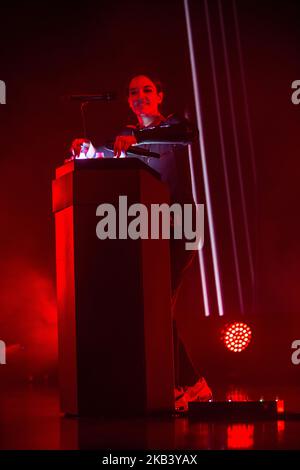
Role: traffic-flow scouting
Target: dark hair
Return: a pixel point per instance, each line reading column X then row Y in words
column 157, row 82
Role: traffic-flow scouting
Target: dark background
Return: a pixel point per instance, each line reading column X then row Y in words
column 50, row 51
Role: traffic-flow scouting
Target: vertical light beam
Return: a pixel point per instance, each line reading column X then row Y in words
column 223, row 154
column 203, row 160
column 236, row 142
column 200, row 252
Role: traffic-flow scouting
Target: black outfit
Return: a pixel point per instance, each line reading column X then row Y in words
column 169, row 137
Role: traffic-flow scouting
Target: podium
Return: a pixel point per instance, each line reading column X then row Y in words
column 113, row 295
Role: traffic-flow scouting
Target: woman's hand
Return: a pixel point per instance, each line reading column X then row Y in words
column 75, row 148
column 122, row 144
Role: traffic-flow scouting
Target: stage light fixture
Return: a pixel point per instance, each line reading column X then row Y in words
column 236, row 336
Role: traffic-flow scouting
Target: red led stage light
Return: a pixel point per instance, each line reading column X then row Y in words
column 236, row 336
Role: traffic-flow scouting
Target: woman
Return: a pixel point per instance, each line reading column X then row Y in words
column 167, row 137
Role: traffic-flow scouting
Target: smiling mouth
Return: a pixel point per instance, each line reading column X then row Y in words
column 141, row 103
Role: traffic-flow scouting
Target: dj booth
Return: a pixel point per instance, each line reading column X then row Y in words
column 113, row 294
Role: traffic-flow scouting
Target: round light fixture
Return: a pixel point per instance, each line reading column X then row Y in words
column 236, row 336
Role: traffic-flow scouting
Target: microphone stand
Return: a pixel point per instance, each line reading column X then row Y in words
column 83, row 104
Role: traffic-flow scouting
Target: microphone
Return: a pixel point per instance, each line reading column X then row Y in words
column 109, row 96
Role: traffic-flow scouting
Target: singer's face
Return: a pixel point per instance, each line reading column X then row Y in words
column 143, row 97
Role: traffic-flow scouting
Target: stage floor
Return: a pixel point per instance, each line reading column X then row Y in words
column 30, row 419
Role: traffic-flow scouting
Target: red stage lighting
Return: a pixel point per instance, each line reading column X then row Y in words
column 236, row 336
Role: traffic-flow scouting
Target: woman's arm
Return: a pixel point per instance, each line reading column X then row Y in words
column 173, row 130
